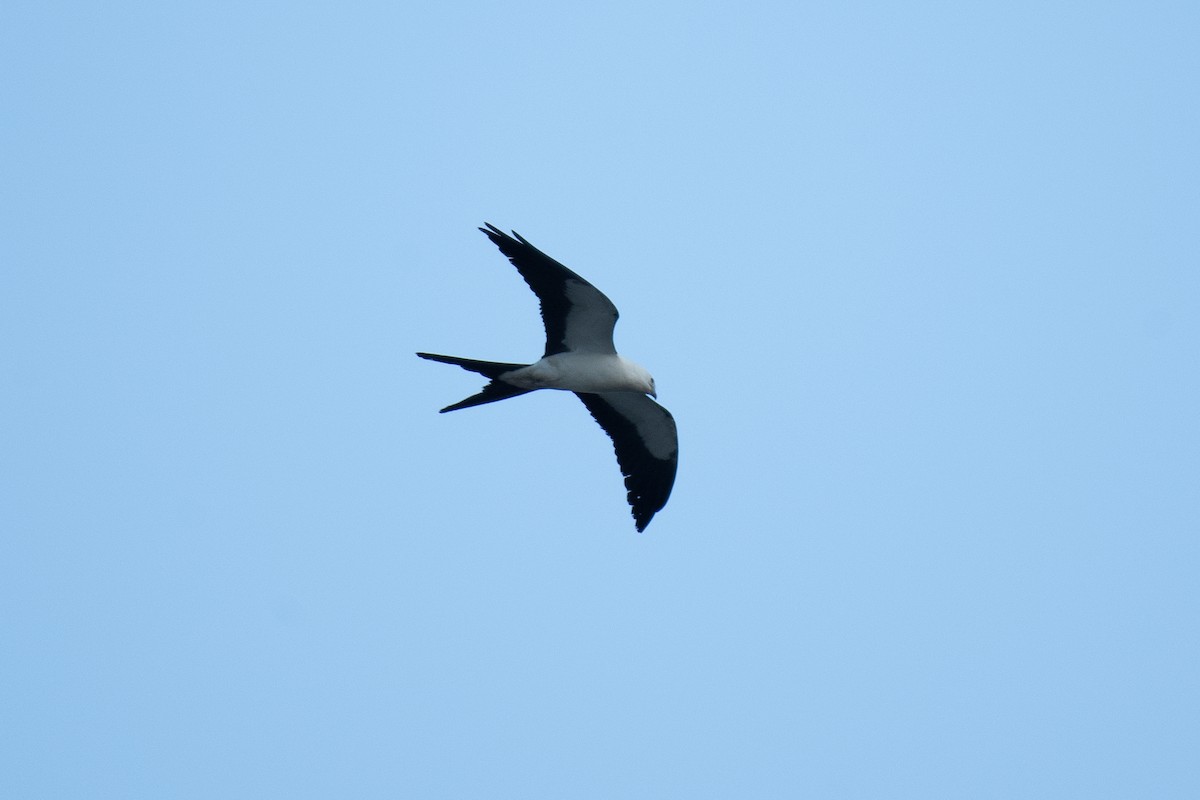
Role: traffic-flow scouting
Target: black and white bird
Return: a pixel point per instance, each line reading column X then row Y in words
column 580, row 358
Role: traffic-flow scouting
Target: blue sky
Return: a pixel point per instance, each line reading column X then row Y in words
column 919, row 283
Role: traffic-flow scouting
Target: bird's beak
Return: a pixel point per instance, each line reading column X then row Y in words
column 654, row 394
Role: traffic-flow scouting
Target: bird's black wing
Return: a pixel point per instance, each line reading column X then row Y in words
column 578, row 317
column 647, row 445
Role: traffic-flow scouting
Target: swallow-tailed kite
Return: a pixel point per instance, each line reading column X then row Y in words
column 580, row 358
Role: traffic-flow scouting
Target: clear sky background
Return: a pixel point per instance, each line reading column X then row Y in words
column 920, row 283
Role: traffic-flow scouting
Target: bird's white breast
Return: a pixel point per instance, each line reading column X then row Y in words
column 579, row 372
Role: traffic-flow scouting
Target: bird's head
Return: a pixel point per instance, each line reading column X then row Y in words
column 638, row 379
column 646, row 382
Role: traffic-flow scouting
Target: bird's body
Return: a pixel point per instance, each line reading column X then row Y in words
column 583, row 372
column 580, row 358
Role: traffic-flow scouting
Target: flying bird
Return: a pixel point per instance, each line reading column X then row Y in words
column 580, row 358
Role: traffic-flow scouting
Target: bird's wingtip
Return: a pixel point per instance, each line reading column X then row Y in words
column 495, row 234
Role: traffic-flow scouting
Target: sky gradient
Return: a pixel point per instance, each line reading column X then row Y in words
column 920, row 284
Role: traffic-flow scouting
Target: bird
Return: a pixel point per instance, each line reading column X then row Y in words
column 580, row 357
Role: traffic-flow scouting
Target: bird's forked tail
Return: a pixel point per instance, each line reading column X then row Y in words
column 496, row 390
